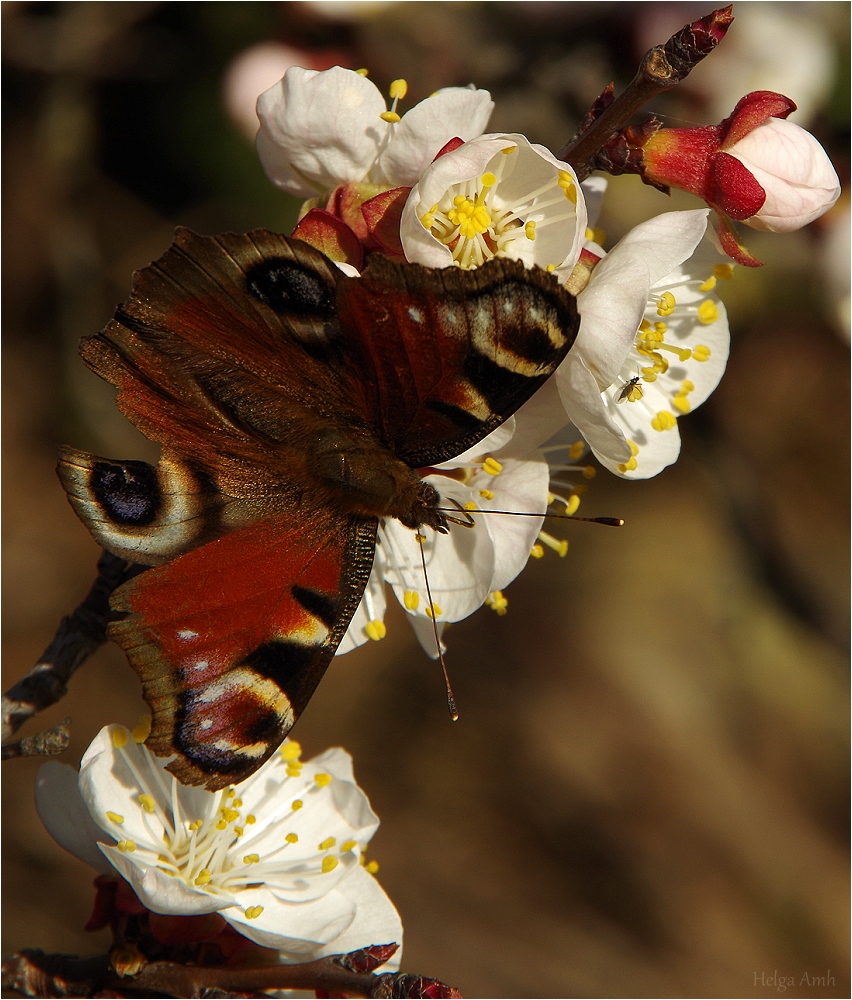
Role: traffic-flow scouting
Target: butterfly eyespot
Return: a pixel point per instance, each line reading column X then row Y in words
column 290, row 288
column 128, row 492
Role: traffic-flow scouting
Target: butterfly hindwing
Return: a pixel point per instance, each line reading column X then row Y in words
column 231, row 639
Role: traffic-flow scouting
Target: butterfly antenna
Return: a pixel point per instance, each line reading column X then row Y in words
column 451, row 701
column 611, row 522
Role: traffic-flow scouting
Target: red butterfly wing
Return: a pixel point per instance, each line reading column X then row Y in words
column 231, row 639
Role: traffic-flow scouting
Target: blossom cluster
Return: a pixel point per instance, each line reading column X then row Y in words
column 280, row 858
column 432, row 187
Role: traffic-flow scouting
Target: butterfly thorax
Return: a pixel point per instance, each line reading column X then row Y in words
column 363, row 477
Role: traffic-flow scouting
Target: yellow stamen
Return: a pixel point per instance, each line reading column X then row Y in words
column 537, row 551
column 572, row 504
column 398, row 89
column 322, row 779
column 292, row 838
column 362, row 72
column 390, row 116
column 372, row 867
column 291, row 750
column 707, row 312
column 433, row 611
column 701, row 352
column 142, row 730
column 325, row 844
column 664, row 421
column 486, row 494
column 491, row 467
column 119, row 737
column 411, row 600
column 724, row 272
column 252, row 912
column 375, row 630
column 203, row 876
column 296, row 804
column 559, row 545
column 115, row 817
column 329, row 863
column 709, row 284
column 529, row 230
column 348, row 845
column 251, row 859
column 147, row 803
column 577, row 450
column 497, row 602
column 666, row 305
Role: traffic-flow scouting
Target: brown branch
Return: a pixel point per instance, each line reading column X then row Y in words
column 46, row 744
column 661, row 68
column 77, row 637
column 34, row 974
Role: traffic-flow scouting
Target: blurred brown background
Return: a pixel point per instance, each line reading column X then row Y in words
column 647, row 792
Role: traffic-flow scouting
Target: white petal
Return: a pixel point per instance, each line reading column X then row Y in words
column 158, row 891
column 355, row 914
column 319, row 130
column 613, row 303
column 456, row 112
column 65, row 816
column 581, row 398
column 657, row 449
column 371, row 608
column 594, row 189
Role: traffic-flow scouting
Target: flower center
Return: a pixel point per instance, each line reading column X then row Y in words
column 477, row 221
column 212, row 850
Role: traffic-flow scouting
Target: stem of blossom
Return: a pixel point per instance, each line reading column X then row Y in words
column 46, row 744
column 662, row 68
column 77, row 637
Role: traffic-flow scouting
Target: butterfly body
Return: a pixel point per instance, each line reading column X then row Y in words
column 294, row 406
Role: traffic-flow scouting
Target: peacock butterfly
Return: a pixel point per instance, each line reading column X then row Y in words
column 293, row 405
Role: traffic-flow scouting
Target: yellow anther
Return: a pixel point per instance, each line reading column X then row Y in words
column 251, row 859
column 529, row 230
column 724, row 272
column 537, row 551
column 291, row 750
column 142, row 730
column 497, row 602
column 433, row 611
column 324, row 845
column 572, row 504
column 329, row 863
column 508, row 150
column 486, row 494
column 322, row 779
column 420, row 539
column 701, row 352
column 390, row 116
column 559, row 545
column 372, row 867
column 362, row 72
column 577, row 450
column 238, row 831
column 664, row 421
column 120, row 737
column 348, row 845
column 707, row 312
column 491, row 467
column 237, row 803
column 221, row 825
column 253, row 912
column 411, row 600
column 596, row 235
column 126, row 846
column 229, row 815
column 375, row 630
column 684, row 354
column 296, row 804
column 488, row 179
column 687, row 386
column 398, row 89
column 550, row 268
column 167, row 871
column 589, row 472
column 147, row 803
column 250, row 819
column 196, row 824
column 628, row 466
column 203, row 876
column 634, row 448
column 666, row 304
column 681, row 403
column 294, row 768
column 115, row 817
column 470, row 505
column 427, row 220
column 292, row 838
column 708, row 285
column 566, row 182
column 649, row 374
